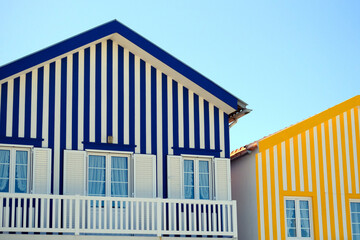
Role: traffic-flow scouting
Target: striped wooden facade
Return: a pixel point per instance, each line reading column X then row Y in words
column 105, row 91
column 317, row 158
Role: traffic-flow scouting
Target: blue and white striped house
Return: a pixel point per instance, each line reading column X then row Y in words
column 106, row 133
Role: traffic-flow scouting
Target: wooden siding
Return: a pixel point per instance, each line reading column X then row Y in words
column 317, row 158
column 77, row 100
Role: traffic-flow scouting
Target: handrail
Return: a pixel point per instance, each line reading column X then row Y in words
column 116, row 215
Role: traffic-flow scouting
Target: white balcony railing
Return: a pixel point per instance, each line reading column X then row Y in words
column 123, row 216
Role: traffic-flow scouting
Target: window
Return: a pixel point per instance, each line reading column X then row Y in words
column 355, row 219
column 298, row 218
column 14, row 170
column 197, row 179
column 108, row 175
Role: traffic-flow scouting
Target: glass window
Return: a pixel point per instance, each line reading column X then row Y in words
column 189, row 179
column 297, row 217
column 119, row 177
column 21, row 169
column 204, row 183
column 4, row 170
column 304, row 218
column 196, row 179
column 291, row 218
column 108, row 175
column 14, row 167
column 355, row 220
column 97, row 178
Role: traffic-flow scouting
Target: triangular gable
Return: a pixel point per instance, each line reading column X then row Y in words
column 139, row 45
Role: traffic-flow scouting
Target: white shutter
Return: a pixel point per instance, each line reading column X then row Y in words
column 175, row 176
column 41, row 170
column 222, row 179
column 144, row 175
column 74, row 172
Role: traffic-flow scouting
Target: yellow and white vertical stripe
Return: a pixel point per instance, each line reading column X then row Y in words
column 317, row 158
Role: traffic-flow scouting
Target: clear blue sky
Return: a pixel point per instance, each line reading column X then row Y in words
column 288, row 60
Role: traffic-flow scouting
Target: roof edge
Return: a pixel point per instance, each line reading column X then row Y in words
column 56, row 49
column 242, row 151
column 308, row 123
column 109, row 28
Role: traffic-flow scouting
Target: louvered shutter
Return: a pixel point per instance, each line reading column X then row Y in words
column 175, row 177
column 222, row 179
column 144, row 176
column 74, row 172
column 41, row 170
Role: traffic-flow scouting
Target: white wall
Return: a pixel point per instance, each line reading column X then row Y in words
column 243, row 186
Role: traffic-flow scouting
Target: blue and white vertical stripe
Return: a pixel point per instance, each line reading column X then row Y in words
column 79, row 99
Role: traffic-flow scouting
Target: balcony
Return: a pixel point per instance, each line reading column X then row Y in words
column 88, row 215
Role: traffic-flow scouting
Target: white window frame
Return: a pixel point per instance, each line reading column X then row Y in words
column 298, row 223
column 350, row 201
column 108, row 155
column 12, row 167
column 196, row 160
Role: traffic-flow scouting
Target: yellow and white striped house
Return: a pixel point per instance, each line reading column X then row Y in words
column 306, row 177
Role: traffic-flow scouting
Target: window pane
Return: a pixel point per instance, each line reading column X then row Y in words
column 356, row 228
column 96, row 175
column 97, row 161
column 291, row 223
column 4, row 170
column 290, row 204
column 119, row 177
column 204, row 193
column 189, row 179
column 20, row 186
column 203, row 166
column 304, row 213
column 355, row 217
column 97, row 188
column 21, row 157
column 355, row 206
column 291, row 232
column 305, row 232
column 290, row 218
column 119, row 190
column 305, row 223
column 204, row 180
column 21, row 171
column 189, row 166
column 4, row 156
column 304, row 205
column 189, row 193
column 119, row 162
column 4, row 185
column 304, row 218
column 290, row 213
